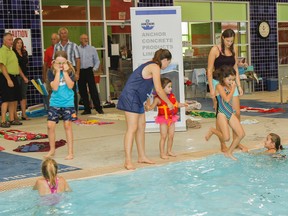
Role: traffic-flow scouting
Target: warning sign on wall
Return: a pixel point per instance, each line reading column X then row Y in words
column 25, row 35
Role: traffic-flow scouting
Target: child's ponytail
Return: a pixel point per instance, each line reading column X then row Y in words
column 49, row 170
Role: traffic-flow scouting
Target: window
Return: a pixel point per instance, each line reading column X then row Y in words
column 203, row 23
column 283, row 42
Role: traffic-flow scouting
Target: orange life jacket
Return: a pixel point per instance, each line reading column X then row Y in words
column 164, row 110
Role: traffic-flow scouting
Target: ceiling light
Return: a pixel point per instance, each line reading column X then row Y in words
column 64, row 6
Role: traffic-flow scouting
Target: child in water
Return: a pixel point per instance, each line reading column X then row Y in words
column 272, row 143
column 166, row 118
column 225, row 114
column 50, row 182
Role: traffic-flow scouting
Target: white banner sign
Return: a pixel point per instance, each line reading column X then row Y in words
column 154, row 28
column 25, row 35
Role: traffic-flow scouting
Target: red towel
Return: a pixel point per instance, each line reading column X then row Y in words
column 18, row 135
column 262, row 110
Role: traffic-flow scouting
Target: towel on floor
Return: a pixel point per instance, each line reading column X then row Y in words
column 202, row 114
column 91, row 122
column 250, row 121
column 18, row 135
column 261, row 110
column 38, row 146
column 110, row 116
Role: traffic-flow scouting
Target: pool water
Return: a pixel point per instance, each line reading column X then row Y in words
column 253, row 185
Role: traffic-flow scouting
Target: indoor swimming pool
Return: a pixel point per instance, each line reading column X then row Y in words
column 253, row 185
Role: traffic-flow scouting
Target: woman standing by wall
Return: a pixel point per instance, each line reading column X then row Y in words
column 22, row 55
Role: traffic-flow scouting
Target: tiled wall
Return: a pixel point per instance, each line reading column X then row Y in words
column 20, row 14
column 264, row 51
column 154, row 3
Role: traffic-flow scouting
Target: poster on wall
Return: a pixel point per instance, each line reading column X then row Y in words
column 25, row 35
column 152, row 29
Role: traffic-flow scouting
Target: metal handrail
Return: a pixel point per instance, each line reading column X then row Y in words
column 281, row 88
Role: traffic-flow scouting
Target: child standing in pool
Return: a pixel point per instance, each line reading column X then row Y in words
column 166, row 118
column 61, row 101
column 225, row 114
column 50, row 182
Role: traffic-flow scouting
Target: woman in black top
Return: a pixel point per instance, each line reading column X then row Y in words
column 22, row 55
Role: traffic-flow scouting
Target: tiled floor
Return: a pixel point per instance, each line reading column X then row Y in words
column 99, row 149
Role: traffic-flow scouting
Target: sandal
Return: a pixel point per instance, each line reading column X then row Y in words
column 15, row 122
column 5, row 124
column 193, row 124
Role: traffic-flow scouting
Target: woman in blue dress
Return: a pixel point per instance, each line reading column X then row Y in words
column 132, row 98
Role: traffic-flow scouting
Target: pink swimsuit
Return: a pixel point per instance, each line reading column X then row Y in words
column 53, row 189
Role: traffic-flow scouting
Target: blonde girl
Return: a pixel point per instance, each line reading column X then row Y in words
column 61, row 101
column 225, row 114
column 50, row 182
column 166, row 118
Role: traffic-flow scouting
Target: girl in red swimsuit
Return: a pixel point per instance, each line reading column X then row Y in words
column 166, row 118
column 50, row 182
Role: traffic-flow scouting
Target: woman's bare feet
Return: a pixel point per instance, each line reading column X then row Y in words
column 129, row 166
column 209, row 134
column 171, row 154
column 69, row 157
column 230, row 155
column 145, row 160
column 163, row 156
column 49, row 155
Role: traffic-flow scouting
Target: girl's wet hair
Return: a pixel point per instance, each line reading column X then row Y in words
column 223, row 72
column 64, row 55
column 49, row 170
column 160, row 55
column 227, row 34
column 277, row 140
column 165, row 81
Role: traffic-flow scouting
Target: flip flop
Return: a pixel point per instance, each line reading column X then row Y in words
column 193, row 124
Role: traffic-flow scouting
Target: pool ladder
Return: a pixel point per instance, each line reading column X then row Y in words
column 281, row 88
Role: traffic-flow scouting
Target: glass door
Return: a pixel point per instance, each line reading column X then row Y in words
column 119, row 56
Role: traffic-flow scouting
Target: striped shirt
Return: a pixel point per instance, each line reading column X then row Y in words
column 70, row 48
column 89, row 57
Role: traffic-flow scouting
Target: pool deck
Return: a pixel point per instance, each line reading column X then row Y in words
column 99, row 149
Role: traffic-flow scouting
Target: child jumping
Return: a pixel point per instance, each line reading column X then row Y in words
column 61, row 101
column 166, row 118
column 50, row 182
column 224, row 112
